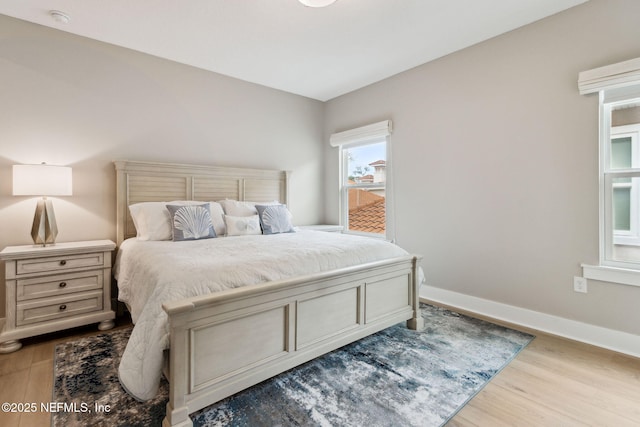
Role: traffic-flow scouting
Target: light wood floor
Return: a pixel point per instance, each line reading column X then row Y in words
column 26, row 376
column 552, row 382
column 558, row 382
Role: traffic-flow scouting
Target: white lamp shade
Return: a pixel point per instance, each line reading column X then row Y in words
column 42, row 180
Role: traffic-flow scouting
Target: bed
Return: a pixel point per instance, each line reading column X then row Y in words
column 307, row 295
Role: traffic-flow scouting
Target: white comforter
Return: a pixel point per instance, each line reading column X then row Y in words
column 150, row 273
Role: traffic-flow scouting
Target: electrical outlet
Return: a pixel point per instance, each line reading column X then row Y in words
column 580, row 284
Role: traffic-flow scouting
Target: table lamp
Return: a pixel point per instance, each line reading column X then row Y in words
column 42, row 180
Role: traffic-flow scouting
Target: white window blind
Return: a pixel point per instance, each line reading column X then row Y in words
column 609, row 77
column 362, row 134
column 614, row 76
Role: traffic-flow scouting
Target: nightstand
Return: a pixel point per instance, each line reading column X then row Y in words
column 49, row 288
column 323, row 227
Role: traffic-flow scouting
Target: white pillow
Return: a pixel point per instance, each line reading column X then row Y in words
column 242, row 225
column 153, row 221
column 237, row 208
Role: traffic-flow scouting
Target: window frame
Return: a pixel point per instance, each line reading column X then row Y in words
column 364, row 135
column 608, row 236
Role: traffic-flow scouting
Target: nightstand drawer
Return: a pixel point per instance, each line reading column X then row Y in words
column 56, row 308
column 61, row 284
column 59, row 263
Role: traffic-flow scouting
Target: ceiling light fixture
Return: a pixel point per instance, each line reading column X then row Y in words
column 317, row 3
column 60, row 17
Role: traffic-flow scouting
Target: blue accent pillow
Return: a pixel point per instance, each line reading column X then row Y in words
column 191, row 222
column 275, row 219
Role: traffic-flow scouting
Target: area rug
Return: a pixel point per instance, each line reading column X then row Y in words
column 396, row 377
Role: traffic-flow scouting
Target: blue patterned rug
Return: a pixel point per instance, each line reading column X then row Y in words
column 396, row 377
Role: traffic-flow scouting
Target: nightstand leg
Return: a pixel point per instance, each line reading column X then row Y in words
column 10, row 346
column 106, row 324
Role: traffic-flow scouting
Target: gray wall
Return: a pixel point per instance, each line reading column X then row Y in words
column 496, row 163
column 73, row 101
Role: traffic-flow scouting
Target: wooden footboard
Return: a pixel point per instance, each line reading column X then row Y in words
column 225, row 342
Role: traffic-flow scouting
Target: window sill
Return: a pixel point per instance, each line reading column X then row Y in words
column 365, row 234
column 623, row 276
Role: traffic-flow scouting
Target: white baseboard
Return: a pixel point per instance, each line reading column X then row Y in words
column 621, row 342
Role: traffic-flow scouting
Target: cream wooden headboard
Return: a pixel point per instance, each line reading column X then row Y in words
column 164, row 182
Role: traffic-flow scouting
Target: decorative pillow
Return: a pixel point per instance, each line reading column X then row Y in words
column 152, row 220
column 191, row 222
column 242, row 225
column 237, row 208
column 217, row 214
column 275, row 219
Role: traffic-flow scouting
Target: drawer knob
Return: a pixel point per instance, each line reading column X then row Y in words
column 62, row 284
column 63, row 262
column 63, row 307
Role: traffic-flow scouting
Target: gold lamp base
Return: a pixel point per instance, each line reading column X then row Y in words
column 44, row 230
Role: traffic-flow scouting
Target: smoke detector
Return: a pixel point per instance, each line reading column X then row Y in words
column 317, row 3
column 60, row 17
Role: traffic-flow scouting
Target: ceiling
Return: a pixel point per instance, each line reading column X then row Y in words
column 319, row 53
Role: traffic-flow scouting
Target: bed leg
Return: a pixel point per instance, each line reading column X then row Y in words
column 417, row 324
column 417, row 321
column 176, row 418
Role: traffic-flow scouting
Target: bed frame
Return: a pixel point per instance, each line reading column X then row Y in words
column 228, row 341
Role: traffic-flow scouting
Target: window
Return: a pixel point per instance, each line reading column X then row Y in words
column 618, row 86
column 625, row 155
column 364, row 180
column 364, row 187
column 621, row 179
